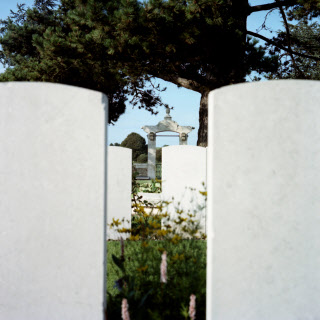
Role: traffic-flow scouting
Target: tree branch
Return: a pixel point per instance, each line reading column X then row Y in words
column 288, row 39
column 282, row 47
column 179, row 81
column 268, row 6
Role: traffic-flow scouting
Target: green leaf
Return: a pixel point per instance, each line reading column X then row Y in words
column 118, row 262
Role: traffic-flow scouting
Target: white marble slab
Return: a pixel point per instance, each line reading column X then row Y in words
column 264, row 202
column 52, row 202
column 119, row 189
column 184, row 168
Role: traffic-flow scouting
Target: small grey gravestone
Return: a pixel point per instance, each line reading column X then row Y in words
column 52, row 202
column 264, row 201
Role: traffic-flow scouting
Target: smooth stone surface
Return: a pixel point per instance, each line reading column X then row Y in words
column 119, row 189
column 52, row 202
column 264, row 202
column 183, row 169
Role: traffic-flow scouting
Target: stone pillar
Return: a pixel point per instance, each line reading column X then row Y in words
column 183, row 139
column 152, row 155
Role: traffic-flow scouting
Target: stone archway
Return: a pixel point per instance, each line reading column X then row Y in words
column 165, row 125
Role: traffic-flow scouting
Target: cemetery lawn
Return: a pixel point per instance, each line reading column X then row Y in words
column 131, row 248
column 149, row 186
column 113, row 248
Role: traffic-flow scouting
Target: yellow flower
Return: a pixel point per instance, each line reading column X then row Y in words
column 155, row 225
column 140, row 209
column 177, row 257
column 115, row 222
column 180, row 220
column 162, row 232
column 124, row 230
column 144, row 244
column 159, row 207
column 142, row 268
column 175, row 239
column 134, row 238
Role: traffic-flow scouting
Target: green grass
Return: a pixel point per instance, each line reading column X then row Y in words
column 132, row 256
column 113, row 248
column 143, row 181
column 143, row 185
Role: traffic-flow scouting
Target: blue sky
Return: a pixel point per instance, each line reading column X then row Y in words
column 185, row 102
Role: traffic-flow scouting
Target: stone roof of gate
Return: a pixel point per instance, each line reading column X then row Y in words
column 167, row 125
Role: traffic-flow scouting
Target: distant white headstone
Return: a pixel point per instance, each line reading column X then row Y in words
column 264, row 201
column 183, row 177
column 52, row 199
column 119, row 189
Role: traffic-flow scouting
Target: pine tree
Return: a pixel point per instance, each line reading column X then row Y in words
column 304, row 40
column 119, row 47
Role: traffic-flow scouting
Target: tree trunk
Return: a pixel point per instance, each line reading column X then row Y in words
column 239, row 12
column 203, row 120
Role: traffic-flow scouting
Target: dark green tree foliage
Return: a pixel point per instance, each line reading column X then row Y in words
column 298, row 46
column 60, row 44
column 305, row 40
column 136, row 143
column 142, row 158
column 119, row 47
column 159, row 155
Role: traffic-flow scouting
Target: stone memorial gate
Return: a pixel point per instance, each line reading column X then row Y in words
column 165, row 125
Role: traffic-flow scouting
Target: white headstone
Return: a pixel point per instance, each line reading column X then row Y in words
column 183, row 169
column 119, row 189
column 264, row 201
column 52, row 202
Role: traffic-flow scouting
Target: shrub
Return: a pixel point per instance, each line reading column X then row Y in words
column 153, row 187
column 159, row 155
column 138, row 265
column 143, row 158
